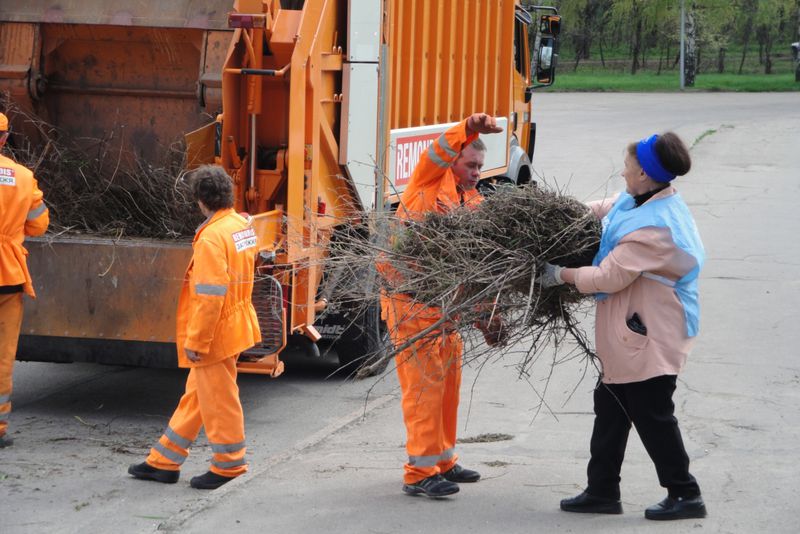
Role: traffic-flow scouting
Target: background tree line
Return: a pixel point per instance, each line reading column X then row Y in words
column 732, row 36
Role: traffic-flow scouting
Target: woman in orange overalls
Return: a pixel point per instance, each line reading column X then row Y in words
column 216, row 322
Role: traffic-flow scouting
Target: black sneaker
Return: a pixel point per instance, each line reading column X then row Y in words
column 6, row 441
column 459, row 474
column 677, row 508
column 145, row 471
column 589, row 504
column 209, row 481
column 433, row 486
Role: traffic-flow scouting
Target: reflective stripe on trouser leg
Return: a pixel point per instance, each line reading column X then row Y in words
column 423, row 382
column 222, row 416
column 10, row 323
column 184, row 425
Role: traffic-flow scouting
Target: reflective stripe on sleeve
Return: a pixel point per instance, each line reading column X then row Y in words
column 228, row 465
column 211, row 289
column 169, row 454
column 176, row 439
column 658, row 278
column 4, row 417
column 35, row 212
column 434, row 157
column 5, row 398
column 229, row 447
column 446, row 146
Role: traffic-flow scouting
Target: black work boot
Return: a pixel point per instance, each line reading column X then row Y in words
column 6, row 441
column 209, row 481
column 677, row 508
column 459, row 474
column 433, row 486
column 145, row 471
column 589, row 504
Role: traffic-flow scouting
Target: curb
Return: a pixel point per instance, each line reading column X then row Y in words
column 175, row 523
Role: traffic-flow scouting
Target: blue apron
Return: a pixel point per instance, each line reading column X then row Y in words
column 668, row 212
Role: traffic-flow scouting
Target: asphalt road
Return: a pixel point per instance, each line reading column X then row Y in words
column 318, row 466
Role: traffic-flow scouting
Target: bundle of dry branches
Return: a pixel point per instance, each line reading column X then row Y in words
column 474, row 262
column 93, row 188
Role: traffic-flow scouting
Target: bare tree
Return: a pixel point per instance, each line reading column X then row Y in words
column 690, row 53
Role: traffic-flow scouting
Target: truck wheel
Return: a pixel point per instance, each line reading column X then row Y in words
column 364, row 345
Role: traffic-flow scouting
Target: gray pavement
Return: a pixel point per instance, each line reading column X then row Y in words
column 323, row 462
column 737, row 401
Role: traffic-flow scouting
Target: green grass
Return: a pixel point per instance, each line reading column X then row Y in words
column 645, row 81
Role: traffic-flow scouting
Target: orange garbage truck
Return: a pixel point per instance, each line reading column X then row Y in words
column 318, row 110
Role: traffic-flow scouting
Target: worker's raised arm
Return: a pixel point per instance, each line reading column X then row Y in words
column 482, row 123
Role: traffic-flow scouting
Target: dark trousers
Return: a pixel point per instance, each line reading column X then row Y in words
column 648, row 405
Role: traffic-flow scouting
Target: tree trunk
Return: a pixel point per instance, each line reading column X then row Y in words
column 666, row 55
column 637, row 41
column 768, row 57
column 602, row 56
column 690, row 54
column 698, row 63
column 721, row 60
column 744, row 53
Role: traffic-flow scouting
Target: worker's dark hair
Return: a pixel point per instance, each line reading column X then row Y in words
column 671, row 151
column 212, row 185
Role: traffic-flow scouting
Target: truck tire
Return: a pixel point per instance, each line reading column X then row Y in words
column 363, row 347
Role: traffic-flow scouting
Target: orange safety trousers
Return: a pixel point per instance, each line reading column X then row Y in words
column 10, row 324
column 429, row 371
column 211, row 401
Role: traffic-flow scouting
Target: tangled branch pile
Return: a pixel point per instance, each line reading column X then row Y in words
column 97, row 189
column 472, row 262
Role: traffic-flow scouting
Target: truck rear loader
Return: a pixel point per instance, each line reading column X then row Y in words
column 317, row 109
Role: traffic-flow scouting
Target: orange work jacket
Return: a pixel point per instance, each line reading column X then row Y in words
column 216, row 317
column 22, row 213
column 432, row 186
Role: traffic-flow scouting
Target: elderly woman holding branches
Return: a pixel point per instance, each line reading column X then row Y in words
column 645, row 281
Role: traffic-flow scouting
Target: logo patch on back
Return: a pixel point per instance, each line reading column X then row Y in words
column 7, row 176
column 244, row 239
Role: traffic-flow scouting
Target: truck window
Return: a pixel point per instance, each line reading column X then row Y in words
column 519, row 47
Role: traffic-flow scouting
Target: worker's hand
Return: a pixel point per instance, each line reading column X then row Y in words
column 482, row 123
column 192, row 355
column 550, row 275
column 494, row 331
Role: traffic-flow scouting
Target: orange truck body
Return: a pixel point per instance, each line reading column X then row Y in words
column 321, row 108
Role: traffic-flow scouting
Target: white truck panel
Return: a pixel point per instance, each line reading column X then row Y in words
column 363, row 30
column 358, row 136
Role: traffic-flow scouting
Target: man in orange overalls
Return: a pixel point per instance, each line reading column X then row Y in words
column 22, row 213
column 430, row 369
column 216, row 322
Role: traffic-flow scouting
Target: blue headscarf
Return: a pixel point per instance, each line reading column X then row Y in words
column 648, row 159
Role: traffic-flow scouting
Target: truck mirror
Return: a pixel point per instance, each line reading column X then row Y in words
column 545, row 67
column 550, row 24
